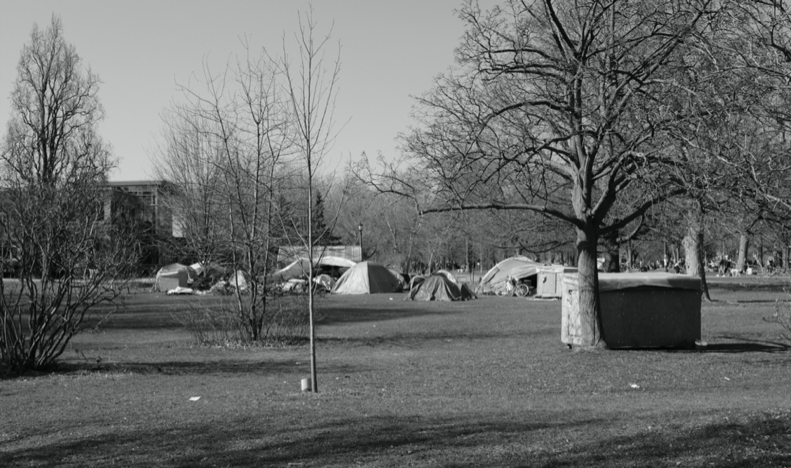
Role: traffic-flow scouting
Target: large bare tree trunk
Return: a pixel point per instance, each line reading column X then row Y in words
column 744, row 245
column 590, row 318
column 694, row 251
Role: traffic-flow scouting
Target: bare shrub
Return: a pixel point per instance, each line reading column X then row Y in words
column 221, row 324
column 67, row 256
column 782, row 317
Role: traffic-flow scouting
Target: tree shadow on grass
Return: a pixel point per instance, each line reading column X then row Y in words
column 224, row 366
column 338, row 316
column 252, row 443
column 744, row 348
column 761, row 440
column 536, row 439
column 745, row 344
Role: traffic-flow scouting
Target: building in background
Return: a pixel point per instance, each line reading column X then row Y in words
column 146, row 205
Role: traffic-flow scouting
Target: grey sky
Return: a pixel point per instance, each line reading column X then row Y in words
column 142, row 49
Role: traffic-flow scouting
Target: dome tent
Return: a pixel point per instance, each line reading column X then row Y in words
column 438, row 287
column 367, row 278
column 171, row 277
column 299, row 268
column 494, row 281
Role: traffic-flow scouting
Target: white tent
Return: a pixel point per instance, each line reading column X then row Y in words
column 518, row 268
column 238, row 280
column 171, row 277
column 367, row 278
column 300, row 267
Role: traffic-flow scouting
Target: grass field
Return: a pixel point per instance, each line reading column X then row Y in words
column 479, row 383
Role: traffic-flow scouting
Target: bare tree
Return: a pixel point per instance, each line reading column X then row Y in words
column 53, row 166
column 226, row 147
column 736, row 94
column 312, row 86
column 554, row 109
column 187, row 158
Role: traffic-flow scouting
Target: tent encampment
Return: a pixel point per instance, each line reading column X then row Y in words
column 171, row 277
column 299, row 268
column 518, row 268
column 438, row 287
column 367, row 278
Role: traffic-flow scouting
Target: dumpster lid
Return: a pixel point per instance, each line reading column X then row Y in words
column 616, row 281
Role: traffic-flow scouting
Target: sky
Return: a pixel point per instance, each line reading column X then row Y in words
column 143, row 49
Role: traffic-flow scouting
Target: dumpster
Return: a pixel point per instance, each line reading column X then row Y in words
column 638, row 310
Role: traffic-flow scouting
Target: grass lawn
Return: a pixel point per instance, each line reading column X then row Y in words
column 479, row 383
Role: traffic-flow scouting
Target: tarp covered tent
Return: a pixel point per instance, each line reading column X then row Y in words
column 300, row 267
column 367, row 278
column 494, row 281
column 440, row 288
column 171, row 277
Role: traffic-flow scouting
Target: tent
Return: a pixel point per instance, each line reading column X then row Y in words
column 239, row 280
column 171, row 276
column 440, row 288
column 367, row 278
column 494, row 281
column 300, row 267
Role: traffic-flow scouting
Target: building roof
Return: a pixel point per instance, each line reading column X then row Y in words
column 127, row 183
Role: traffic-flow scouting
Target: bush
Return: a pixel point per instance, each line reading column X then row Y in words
column 782, row 317
column 286, row 321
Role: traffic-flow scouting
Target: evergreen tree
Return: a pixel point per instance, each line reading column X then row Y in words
column 322, row 234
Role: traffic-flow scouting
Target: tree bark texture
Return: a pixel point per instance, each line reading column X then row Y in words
column 744, row 246
column 590, row 318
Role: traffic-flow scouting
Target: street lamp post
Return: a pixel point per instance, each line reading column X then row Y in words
column 360, row 230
